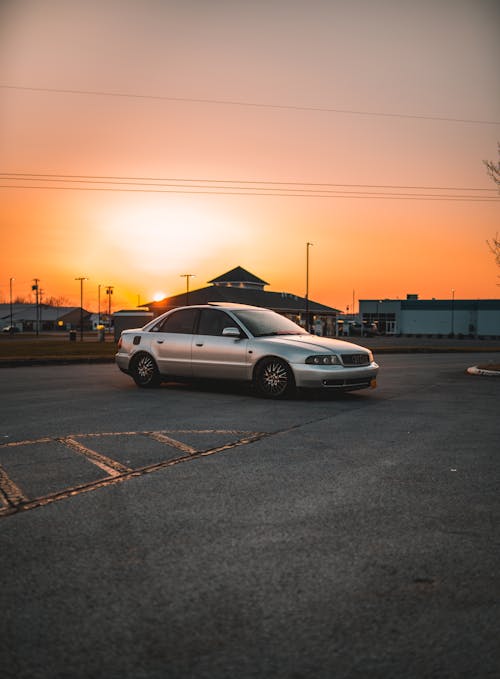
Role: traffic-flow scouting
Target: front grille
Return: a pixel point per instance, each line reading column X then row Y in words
column 349, row 382
column 355, row 359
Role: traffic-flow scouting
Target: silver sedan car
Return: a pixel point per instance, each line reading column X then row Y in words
column 222, row 341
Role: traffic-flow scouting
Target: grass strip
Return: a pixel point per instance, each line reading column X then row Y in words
column 59, row 349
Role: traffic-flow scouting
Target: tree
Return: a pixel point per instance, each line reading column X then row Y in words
column 494, row 168
column 494, row 246
column 494, row 172
column 57, row 301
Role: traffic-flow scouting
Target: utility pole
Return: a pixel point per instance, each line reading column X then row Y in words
column 81, row 279
column 308, row 325
column 99, row 305
column 187, row 276
column 109, row 292
column 35, row 288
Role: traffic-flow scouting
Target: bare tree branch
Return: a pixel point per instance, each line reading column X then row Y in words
column 494, row 168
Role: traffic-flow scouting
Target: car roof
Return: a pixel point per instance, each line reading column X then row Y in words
column 235, row 306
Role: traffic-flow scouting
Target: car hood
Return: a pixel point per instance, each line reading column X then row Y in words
column 317, row 344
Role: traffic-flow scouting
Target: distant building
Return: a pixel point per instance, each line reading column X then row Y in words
column 242, row 287
column 25, row 317
column 130, row 318
column 413, row 316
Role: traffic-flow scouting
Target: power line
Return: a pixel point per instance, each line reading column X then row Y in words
column 250, row 104
column 241, row 188
column 167, row 181
column 249, row 192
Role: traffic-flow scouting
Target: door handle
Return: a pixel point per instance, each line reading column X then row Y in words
column 160, row 341
column 199, row 345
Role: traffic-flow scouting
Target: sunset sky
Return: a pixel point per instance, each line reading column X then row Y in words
column 145, row 139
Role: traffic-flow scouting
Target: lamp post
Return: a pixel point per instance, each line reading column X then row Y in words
column 10, row 287
column 109, row 292
column 81, row 279
column 99, row 305
column 308, row 245
column 187, row 276
column 35, row 288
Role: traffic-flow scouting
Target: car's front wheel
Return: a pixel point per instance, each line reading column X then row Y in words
column 145, row 371
column 274, row 378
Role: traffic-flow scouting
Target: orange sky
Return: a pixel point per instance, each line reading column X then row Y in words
column 287, row 95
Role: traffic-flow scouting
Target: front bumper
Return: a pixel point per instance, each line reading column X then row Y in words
column 335, row 376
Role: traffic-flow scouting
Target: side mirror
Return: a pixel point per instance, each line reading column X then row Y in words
column 231, row 332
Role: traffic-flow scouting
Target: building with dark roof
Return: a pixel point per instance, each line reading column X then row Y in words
column 239, row 278
column 26, row 317
column 242, row 287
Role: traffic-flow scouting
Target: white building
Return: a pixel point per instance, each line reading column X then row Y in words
column 413, row 316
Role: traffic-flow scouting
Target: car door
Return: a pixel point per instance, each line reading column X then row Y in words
column 172, row 341
column 217, row 356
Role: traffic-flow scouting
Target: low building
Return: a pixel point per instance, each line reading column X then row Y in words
column 29, row 317
column 125, row 319
column 440, row 317
column 242, row 287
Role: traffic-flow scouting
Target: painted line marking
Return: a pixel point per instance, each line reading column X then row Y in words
column 111, row 467
column 163, row 438
column 14, row 501
column 10, row 494
column 13, row 444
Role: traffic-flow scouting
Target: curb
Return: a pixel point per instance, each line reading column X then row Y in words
column 474, row 370
column 432, row 350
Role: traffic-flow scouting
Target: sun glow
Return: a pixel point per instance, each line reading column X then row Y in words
column 158, row 296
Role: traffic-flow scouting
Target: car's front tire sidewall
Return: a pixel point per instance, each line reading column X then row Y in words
column 274, row 378
column 145, row 371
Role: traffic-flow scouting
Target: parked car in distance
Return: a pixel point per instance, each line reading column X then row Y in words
column 10, row 329
column 223, row 341
column 362, row 330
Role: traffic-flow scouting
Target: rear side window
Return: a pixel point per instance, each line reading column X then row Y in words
column 180, row 322
column 213, row 322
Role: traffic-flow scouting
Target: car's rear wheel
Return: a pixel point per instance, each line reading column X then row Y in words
column 274, row 378
column 145, row 371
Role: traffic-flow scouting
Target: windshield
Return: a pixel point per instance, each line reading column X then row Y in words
column 263, row 322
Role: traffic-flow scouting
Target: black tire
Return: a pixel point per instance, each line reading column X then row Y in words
column 274, row 378
column 145, row 371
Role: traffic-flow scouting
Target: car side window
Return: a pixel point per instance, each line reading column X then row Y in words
column 213, row 322
column 179, row 322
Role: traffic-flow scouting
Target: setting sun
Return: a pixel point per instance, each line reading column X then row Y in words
column 158, row 296
column 133, row 177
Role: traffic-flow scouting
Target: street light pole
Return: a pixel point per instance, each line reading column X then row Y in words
column 109, row 292
column 99, row 305
column 187, row 276
column 308, row 245
column 35, row 288
column 81, row 279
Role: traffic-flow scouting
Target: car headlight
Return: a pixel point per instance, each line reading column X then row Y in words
column 319, row 359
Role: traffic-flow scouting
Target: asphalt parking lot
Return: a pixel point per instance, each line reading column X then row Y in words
column 202, row 532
